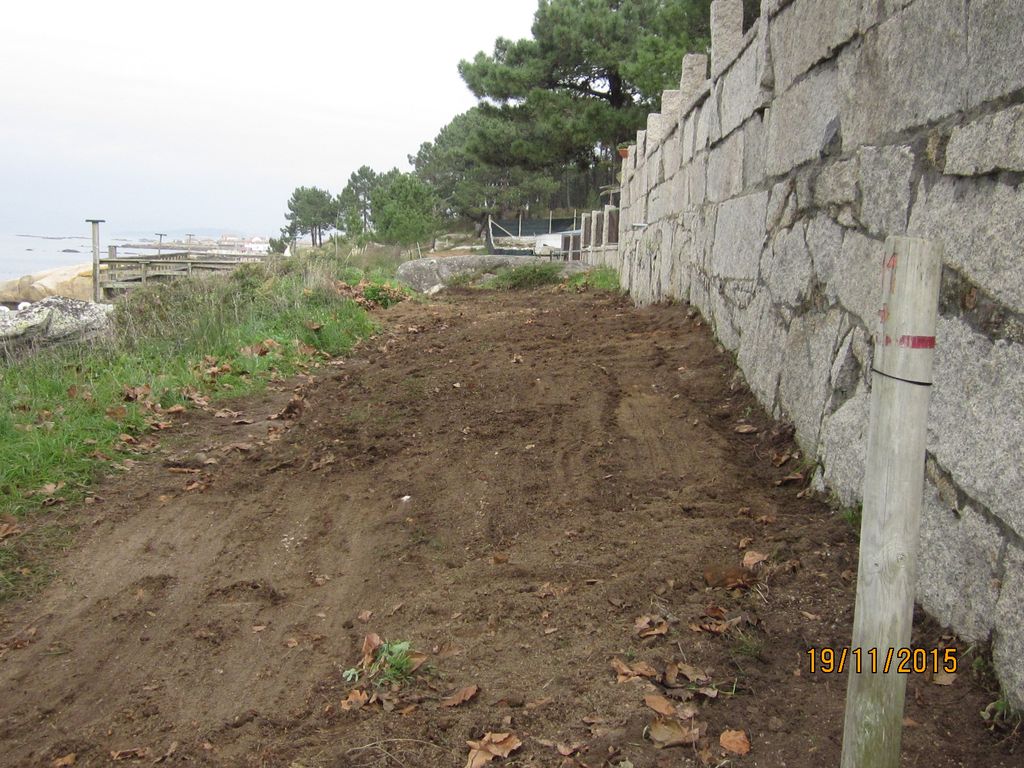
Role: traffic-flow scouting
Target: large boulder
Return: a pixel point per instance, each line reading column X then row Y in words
column 73, row 282
column 53, row 320
column 429, row 275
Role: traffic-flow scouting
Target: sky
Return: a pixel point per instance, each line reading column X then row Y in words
column 193, row 116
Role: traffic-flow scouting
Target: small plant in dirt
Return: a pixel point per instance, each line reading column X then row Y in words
column 525, row 277
column 999, row 716
column 748, row 644
column 370, row 295
column 384, row 663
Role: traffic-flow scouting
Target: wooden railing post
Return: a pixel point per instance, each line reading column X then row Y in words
column 893, row 480
column 96, row 293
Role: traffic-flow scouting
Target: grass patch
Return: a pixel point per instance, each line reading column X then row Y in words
column 389, row 664
column 525, row 277
column 69, row 414
column 600, row 279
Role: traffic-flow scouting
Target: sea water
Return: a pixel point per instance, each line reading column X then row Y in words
column 26, row 254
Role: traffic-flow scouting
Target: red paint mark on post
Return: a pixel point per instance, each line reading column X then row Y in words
column 917, row 342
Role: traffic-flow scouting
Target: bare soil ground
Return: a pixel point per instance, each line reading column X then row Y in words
column 508, row 481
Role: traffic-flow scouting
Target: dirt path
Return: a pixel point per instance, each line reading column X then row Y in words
column 508, row 481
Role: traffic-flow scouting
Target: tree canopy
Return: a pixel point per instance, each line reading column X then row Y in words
column 311, row 211
column 404, row 209
column 584, row 82
column 471, row 188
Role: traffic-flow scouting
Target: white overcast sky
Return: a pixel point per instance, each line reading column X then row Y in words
column 184, row 114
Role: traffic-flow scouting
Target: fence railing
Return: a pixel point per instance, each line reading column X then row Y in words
column 119, row 274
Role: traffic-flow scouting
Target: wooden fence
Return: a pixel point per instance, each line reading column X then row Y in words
column 119, row 274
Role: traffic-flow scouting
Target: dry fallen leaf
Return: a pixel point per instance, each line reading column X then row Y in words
column 660, row 704
column 729, row 577
column 365, row 616
column 752, row 558
column 492, row 745
column 650, row 626
column 735, row 742
column 626, row 672
column 792, row 477
column 138, row 753
column 746, row 429
column 291, row 642
column 64, row 762
column 672, row 733
column 943, row 678
column 460, row 696
column 370, row 645
column 8, row 529
column 691, row 673
column 356, row 698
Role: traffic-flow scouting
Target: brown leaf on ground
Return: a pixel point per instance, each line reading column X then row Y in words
column 356, row 699
column 8, row 529
column 370, row 645
column 138, row 753
column 660, row 704
column 752, row 558
column 792, row 477
column 179, row 408
column 492, row 745
column 735, row 742
column 293, row 410
column 650, row 626
column 135, row 394
column 746, row 429
column 324, row 461
column 728, row 576
column 63, row 762
column 672, row 733
column 691, row 673
column 365, row 616
column 499, row 558
column 626, row 672
column 460, row 696
column 943, row 678
column 116, row 413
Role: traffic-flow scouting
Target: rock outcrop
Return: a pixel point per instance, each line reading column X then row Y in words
column 54, row 320
column 430, row 275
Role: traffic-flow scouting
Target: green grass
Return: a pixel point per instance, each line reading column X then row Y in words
column 525, row 277
column 600, row 279
column 64, row 412
column 392, row 664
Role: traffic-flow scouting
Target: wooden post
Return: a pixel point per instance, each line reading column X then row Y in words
column 96, row 293
column 894, row 475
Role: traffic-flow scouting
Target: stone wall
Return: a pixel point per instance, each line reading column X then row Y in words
column 763, row 196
